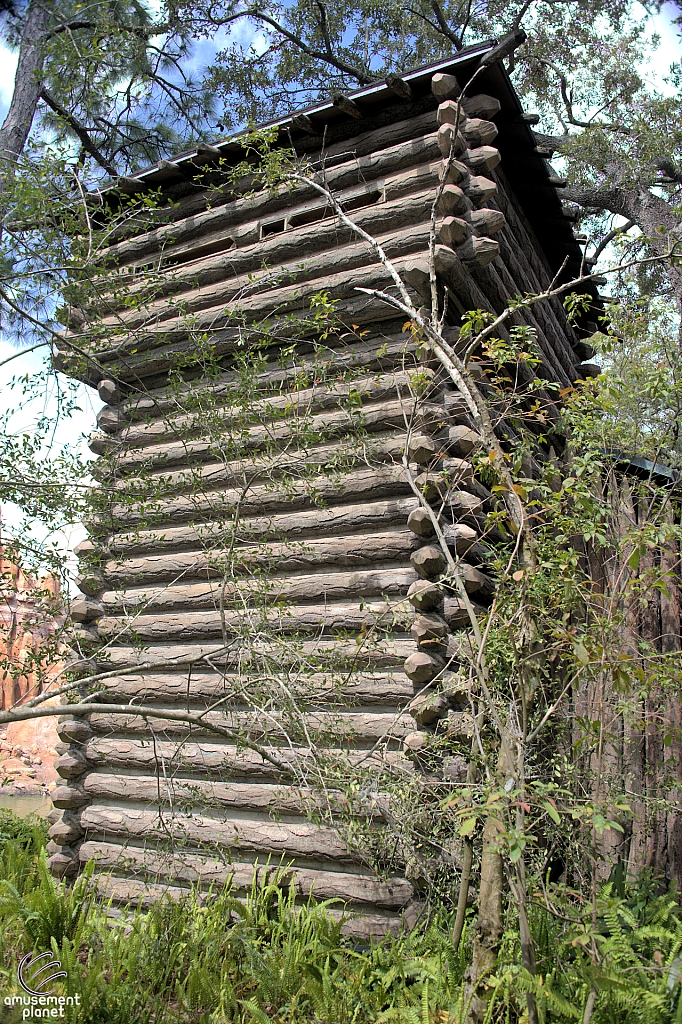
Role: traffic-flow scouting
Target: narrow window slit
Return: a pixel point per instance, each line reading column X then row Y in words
column 321, row 212
column 309, row 216
column 358, row 202
column 273, row 228
column 211, row 248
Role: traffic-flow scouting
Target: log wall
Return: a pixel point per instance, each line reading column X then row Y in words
column 340, row 552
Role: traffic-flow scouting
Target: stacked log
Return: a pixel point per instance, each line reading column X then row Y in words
column 187, row 561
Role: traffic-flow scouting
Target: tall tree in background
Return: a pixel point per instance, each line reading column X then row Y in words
column 106, row 79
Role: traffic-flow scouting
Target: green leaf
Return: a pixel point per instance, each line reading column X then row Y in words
column 467, row 826
column 314, row 972
column 633, row 560
column 552, row 811
column 580, row 653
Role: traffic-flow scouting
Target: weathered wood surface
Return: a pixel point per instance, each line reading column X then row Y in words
column 355, row 728
column 224, row 547
column 272, row 407
column 330, row 618
column 230, row 308
column 198, row 688
column 374, row 152
column 277, row 405
column 388, row 354
column 402, row 198
column 372, row 652
column 347, row 551
column 69, row 795
column 373, row 416
column 383, row 447
column 297, row 838
column 193, row 868
column 172, row 791
column 206, row 758
column 517, row 275
column 300, row 525
column 403, row 228
column 532, row 266
column 352, row 486
column 314, row 587
column 148, row 355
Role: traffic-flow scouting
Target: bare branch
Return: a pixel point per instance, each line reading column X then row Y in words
column 25, row 714
column 80, row 130
column 142, row 31
column 567, row 99
column 610, row 237
column 454, row 38
column 359, row 74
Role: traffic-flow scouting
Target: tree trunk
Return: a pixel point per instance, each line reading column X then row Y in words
column 27, row 86
column 655, row 216
column 490, row 922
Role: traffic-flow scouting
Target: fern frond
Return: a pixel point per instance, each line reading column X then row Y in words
column 257, row 1014
column 425, row 1005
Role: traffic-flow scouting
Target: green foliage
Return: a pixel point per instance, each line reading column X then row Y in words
column 122, row 81
column 626, row 948
column 49, row 911
column 29, row 833
column 637, row 405
column 266, row 956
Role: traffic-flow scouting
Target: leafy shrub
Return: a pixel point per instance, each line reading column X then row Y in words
column 29, row 832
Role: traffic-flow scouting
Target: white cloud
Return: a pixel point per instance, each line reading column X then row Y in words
column 260, row 43
column 667, row 52
column 8, row 67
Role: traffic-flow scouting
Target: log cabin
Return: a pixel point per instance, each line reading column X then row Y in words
column 219, row 269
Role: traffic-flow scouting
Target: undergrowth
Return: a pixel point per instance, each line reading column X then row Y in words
column 267, row 959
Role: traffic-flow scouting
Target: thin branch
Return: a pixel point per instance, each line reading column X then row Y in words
column 80, row 130
column 23, row 352
column 610, row 237
column 100, row 677
column 516, row 24
column 25, row 714
column 143, row 32
column 341, row 65
column 567, row 98
column 324, row 25
column 455, row 39
column 44, row 327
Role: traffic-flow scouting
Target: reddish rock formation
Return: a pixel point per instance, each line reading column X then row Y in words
column 29, row 614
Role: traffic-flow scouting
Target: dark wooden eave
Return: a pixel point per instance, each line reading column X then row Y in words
column 528, row 171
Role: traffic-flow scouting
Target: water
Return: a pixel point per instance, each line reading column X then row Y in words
column 23, row 804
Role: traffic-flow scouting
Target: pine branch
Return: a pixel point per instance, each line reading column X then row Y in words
column 343, row 66
column 80, row 130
